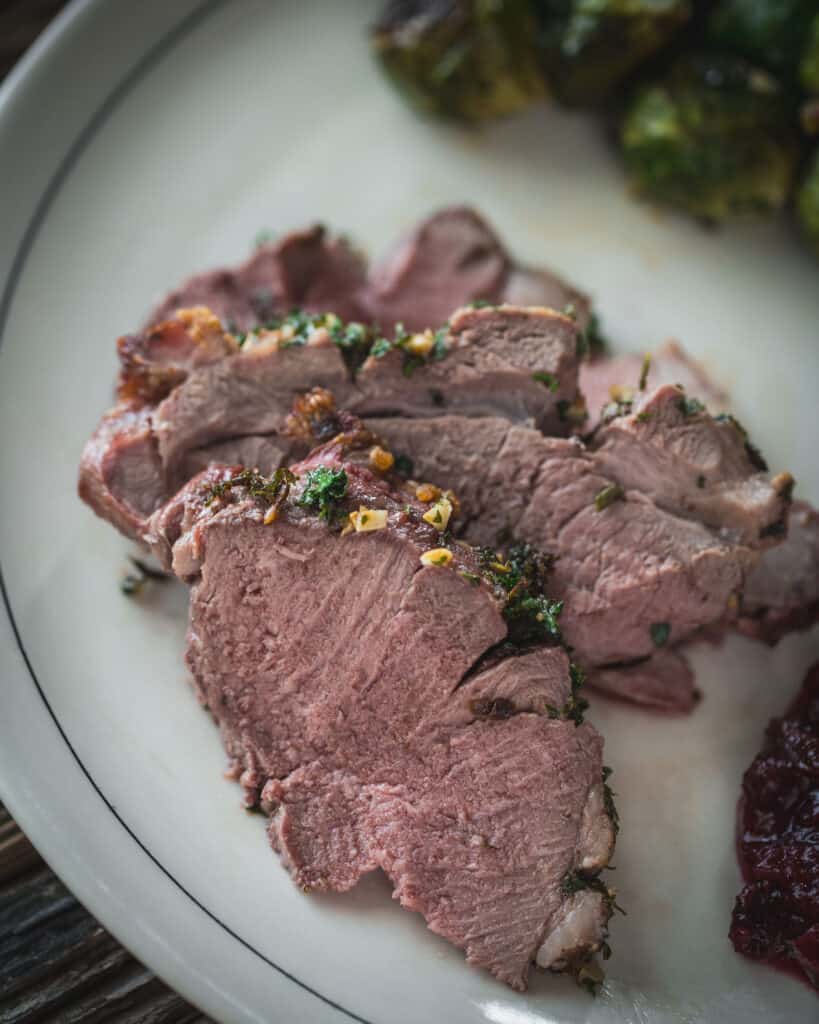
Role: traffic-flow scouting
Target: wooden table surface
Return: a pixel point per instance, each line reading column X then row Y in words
column 57, row 963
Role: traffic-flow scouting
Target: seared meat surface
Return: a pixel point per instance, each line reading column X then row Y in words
column 189, row 394
column 449, row 260
column 654, row 522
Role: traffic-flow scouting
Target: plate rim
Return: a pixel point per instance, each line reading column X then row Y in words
column 14, row 87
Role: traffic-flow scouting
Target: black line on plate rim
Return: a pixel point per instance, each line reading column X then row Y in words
column 145, row 64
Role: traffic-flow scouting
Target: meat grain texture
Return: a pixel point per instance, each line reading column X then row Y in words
column 486, row 407
column 375, row 718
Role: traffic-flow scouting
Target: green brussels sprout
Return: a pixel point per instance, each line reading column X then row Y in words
column 807, row 203
column 589, row 46
column 467, row 59
column 769, row 33
column 715, row 138
column 809, row 64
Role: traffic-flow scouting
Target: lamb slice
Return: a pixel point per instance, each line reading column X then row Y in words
column 306, row 269
column 454, row 258
column 663, row 682
column 448, row 260
column 636, row 571
column 533, row 286
column 608, row 379
column 198, row 396
column 121, row 475
column 669, row 448
column 517, row 362
column 380, row 721
column 249, row 393
column 781, row 592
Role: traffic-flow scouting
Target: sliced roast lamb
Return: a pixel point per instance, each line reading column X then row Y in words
column 450, row 259
column 380, row 715
column 781, row 592
column 306, row 269
column 605, row 379
column 654, row 524
column 454, row 258
column 189, row 394
column 671, row 554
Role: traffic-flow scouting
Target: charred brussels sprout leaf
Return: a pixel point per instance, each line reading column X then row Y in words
column 589, row 46
column 467, row 59
column 809, row 63
column 807, row 203
column 770, row 33
column 715, row 138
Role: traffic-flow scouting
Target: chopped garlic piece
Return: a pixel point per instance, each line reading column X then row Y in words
column 271, row 515
column 437, row 556
column 618, row 393
column 200, row 322
column 427, row 492
column 420, row 344
column 381, row 459
column 367, row 519
column 453, row 501
column 439, row 513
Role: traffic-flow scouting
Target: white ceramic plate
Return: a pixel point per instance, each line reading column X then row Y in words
column 139, row 142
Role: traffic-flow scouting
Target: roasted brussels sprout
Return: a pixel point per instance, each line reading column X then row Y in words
column 715, row 138
column 809, row 63
column 467, row 59
column 589, row 46
column 769, row 33
column 807, row 203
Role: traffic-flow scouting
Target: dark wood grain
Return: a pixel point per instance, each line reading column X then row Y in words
column 21, row 21
column 57, row 963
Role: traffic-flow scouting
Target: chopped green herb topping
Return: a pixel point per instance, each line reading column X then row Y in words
column 608, row 800
column 522, row 578
column 575, row 706
column 324, row 488
column 590, row 341
column 481, row 304
column 380, row 348
column 608, row 496
column 612, row 410
column 271, row 490
column 575, row 881
column 548, row 379
column 403, row 466
column 644, row 372
column 415, row 353
column 660, row 632
column 643, row 417
column 354, row 339
column 755, row 457
column 471, row 577
column 572, row 412
column 133, row 583
column 690, row 406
